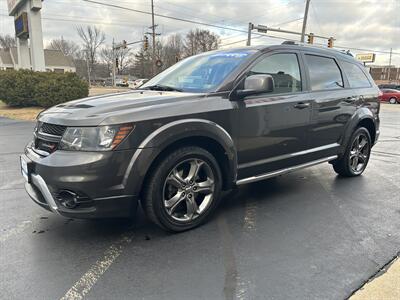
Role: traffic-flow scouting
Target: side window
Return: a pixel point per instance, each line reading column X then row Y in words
column 356, row 77
column 324, row 73
column 284, row 69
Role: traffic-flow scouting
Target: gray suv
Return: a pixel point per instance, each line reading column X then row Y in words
column 207, row 124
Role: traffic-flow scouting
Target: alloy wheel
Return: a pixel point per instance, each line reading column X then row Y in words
column 189, row 190
column 359, row 154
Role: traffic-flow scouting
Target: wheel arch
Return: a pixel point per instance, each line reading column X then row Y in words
column 362, row 118
column 369, row 124
column 195, row 132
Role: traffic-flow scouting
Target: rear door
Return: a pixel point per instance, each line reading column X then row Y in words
column 333, row 104
column 271, row 127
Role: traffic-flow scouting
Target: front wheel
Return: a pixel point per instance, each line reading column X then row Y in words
column 393, row 100
column 356, row 157
column 183, row 189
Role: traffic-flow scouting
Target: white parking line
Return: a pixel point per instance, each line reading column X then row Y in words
column 16, row 230
column 89, row 279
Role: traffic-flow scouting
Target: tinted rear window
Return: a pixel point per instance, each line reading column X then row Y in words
column 356, row 77
column 324, row 73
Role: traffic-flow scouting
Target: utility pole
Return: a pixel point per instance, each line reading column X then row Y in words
column 390, row 64
column 251, row 27
column 153, row 29
column 303, row 31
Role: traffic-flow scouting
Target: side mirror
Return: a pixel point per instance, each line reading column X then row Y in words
column 255, row 84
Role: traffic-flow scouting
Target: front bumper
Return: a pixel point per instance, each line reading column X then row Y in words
column 96, row 178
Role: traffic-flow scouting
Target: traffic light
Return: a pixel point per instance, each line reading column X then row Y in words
column 310, row 38
column 330, row 42
column 124, row 44
column 116, row 63
column 145, row 43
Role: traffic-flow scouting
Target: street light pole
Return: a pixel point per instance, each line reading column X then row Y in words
column 249, row 34
column 303, row 31
column 390, row 63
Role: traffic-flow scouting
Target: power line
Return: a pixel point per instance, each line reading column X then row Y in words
column 164, row 16
column 216, row 26
column 316, row 17
column 200, row 23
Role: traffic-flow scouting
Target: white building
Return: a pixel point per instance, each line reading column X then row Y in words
column 55, row 60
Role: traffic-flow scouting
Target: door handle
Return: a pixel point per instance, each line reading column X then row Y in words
column 302, row 105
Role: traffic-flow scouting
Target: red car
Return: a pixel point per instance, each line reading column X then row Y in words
column 390, row 95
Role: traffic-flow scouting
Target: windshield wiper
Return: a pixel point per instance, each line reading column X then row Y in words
column 160, row 87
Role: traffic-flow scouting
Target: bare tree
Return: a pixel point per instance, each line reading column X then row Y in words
column 106, row 56
column 69, row 48
column 123, row 55
column 174, row 50
column 199, row 40
column 7, row 41
column 92, row 38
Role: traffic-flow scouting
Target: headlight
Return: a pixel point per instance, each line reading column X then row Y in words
column 101, row 138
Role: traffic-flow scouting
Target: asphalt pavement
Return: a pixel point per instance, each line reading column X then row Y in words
column 306, row 235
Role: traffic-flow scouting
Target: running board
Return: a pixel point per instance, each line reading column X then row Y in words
column 285, row 171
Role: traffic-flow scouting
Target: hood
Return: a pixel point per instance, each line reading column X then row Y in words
column 119, row 108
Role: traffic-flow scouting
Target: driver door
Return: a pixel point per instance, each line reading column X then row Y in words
column 271, row 127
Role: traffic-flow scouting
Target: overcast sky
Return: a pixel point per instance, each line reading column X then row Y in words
column 373, row 24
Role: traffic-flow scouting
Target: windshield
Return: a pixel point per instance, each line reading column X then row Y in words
column 200, row 73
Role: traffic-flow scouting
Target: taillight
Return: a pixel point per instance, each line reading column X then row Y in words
column 380, row 95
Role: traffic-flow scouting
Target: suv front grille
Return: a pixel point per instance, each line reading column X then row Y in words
column 47, row 128
column 47, row 137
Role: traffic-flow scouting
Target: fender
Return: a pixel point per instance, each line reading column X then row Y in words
column 170, row 133
column 361, row 114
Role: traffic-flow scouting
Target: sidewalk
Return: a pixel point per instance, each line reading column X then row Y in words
column 386, row 286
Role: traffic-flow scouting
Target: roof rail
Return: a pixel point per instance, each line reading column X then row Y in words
column 346, row 52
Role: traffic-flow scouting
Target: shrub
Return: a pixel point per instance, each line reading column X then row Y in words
column 27, row 88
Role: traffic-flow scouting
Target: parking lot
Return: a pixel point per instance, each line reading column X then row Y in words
column 306, row 235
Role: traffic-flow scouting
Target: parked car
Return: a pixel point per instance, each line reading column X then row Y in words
column 138, row 82
column 390, row 95
column 389, row 86
column 131, row 83
column 209, row 123
column 121, row 83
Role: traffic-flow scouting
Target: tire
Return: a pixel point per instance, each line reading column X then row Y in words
column 183, row 189
column 393, row 100
column 354, row 162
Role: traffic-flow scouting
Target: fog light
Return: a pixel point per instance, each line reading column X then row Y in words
column 67, row 199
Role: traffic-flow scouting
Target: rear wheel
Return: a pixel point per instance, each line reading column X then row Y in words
column 356, row 157
column 393, row 100
column 183, row 190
